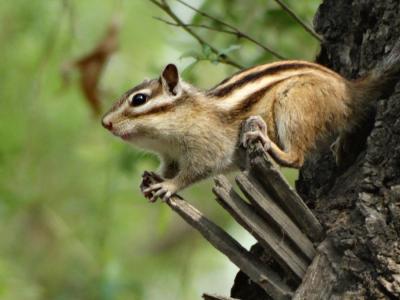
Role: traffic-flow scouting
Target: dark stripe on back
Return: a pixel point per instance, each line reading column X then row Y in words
column 246, row 104
column 224, row 91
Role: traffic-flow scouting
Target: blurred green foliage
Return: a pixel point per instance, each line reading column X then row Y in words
column 73, row 224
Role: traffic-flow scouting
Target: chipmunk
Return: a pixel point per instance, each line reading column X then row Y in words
column 196, row 132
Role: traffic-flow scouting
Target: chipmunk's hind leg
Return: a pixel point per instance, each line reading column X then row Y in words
column 259, row 133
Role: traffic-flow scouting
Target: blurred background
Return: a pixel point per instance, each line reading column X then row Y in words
column 73, row 224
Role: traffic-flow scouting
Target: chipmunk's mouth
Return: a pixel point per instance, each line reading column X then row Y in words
column 126, row 136
column 123, row 135
column 121, row 131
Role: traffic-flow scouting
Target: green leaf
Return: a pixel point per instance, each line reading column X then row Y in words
column 230, row 49
column 207, row 51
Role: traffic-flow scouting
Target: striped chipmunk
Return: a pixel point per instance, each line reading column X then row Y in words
column 196, row 132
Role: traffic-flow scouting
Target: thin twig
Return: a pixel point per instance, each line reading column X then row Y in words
column 236, row 33
column 198, row 26
column 167, row 9
column 297, row 18
column 235, row 30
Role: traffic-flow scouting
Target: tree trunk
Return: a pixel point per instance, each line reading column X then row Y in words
column 360, row 206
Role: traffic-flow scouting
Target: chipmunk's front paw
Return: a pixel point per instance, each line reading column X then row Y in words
column 255, row 131
column 149, row 179
column 163, row 190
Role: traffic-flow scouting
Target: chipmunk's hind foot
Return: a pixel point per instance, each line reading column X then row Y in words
column 256, row 131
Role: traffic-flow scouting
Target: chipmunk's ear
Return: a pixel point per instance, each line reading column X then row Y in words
column 170, row 79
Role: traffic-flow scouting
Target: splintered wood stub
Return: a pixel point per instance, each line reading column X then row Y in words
column 272, row 180
column 261, row 274
column 267, row 208
column 256, row 160
column 245, row 215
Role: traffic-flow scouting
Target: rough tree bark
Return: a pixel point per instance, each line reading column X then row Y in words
column 360, row 206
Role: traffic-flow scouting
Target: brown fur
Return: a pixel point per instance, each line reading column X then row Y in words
column 242, row 110
column 307, row 109
column 196, row 132
column 268, row 71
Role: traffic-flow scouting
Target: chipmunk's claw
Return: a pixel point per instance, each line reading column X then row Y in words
column 258, row 133
column 163, row 190
column 256, row 136
column 148, row 180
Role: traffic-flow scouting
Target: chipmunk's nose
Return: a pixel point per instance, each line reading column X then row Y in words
column 107, row 124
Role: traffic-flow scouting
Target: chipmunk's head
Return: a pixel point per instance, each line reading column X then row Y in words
column 150, row 109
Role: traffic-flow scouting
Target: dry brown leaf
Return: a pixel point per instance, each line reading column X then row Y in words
column 91, row 66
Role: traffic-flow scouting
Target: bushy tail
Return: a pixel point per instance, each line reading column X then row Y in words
column 380, row 81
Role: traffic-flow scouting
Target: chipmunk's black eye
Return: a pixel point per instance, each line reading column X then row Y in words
column 138, row 99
